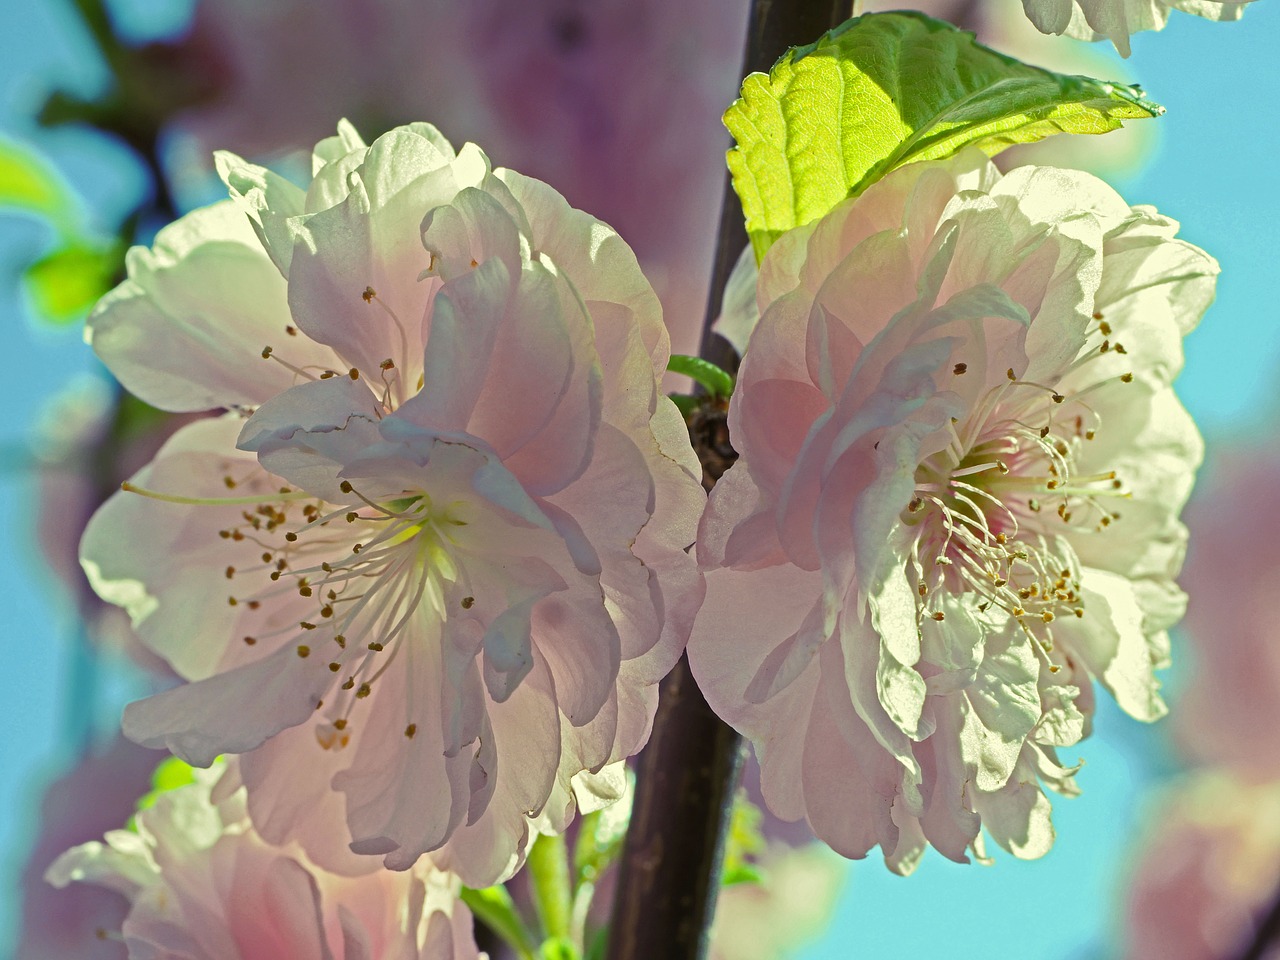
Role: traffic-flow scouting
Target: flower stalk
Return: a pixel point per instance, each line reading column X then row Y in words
column 548, row 867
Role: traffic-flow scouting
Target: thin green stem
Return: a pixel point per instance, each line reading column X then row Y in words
column 548, row 867
column 582, row 898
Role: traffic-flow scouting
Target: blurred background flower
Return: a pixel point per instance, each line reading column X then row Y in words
column 616, row 104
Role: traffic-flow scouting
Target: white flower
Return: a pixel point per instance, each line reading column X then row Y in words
column 203, row 885
column 440, row 567
column 1116, row 20
column 956, row 504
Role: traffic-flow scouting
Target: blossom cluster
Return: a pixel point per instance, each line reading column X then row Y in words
column 433, row 535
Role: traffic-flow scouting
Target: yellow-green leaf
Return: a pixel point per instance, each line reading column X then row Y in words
column 29, row 183
column 64, row 285
column 884, row 90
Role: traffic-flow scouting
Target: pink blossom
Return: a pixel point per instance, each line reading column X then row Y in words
column 434, row 555
column 202, row 884
column 1208, row 867
column 956, row 503
column 1229, row 709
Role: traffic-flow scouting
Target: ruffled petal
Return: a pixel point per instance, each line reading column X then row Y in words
column 187, row 330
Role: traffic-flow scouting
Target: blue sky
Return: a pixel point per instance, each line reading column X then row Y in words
column 1212, row 168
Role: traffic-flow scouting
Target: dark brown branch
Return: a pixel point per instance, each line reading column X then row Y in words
column 670, row 869
column 1266, row 936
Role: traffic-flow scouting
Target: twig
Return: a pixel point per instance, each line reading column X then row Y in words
column 670, row 868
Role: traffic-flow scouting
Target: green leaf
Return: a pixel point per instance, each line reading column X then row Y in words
column 743, row 873
column 718, row 382
column 64, row 285
column 29, row 183
column 884, row 90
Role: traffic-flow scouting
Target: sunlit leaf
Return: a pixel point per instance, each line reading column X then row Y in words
column 28, row 182
column 884, row 90
column 64, row 285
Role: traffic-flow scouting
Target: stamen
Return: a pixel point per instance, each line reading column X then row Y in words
column 215, row 501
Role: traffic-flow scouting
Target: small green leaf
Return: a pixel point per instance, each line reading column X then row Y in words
column 884, row 90
column 743, row 843
column 64, row 285
column 494, row 907
column 169, row 774
column 29, row 183
column 743, row 873
column 717, row 382
column 172, row 773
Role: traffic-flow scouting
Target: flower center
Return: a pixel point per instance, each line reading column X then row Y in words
column 367, row 569
column 995, row 510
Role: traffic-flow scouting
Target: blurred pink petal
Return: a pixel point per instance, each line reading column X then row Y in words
column 1230, row 706
column 57, row 924
column 1207, row 869
column 616, row 103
